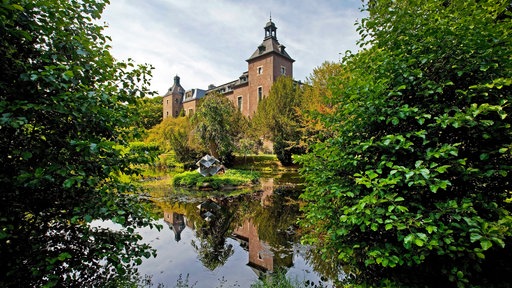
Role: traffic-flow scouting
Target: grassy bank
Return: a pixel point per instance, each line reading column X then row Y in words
column 231, row 178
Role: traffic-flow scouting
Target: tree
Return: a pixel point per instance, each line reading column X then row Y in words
column 150, row 110
column 277, row 118
column 317, row 101
column 218, row 125
column 415, row 179
column 65, row 119
column 176, row 134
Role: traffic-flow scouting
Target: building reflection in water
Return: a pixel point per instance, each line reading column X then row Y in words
column 261, row 257
column 264, row 257
column 176, row 222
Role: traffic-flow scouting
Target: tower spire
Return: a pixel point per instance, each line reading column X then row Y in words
column 270, row 29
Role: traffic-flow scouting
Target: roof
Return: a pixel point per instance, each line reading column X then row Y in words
column 270, row 44
column 175, row 88
column 193, row 94
column 228, row 87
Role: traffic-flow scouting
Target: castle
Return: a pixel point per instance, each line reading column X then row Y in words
column 265, row 65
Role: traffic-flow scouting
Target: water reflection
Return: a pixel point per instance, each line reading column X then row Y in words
column 224, row 241
column 176, row 222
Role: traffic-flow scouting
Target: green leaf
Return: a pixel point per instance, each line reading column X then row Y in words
column 26, row 155
column 425, row 173
column 68, row 182
column 17, row 7
column 68, row 75
column 63, row 256
column 431, row 229
column 419, row 242
column 473, row 237
column 486, row 244
column 88, row 218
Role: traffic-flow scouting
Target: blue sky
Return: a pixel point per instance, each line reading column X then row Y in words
column 207, row 41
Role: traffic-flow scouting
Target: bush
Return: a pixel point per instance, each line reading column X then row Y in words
column 414, row 179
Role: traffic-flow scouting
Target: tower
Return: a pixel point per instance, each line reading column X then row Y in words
column 173, row 99
column 266, row 64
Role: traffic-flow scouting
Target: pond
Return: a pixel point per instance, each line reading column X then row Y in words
column 231, row 241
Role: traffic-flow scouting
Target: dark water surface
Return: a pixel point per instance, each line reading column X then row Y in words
column 231, row 241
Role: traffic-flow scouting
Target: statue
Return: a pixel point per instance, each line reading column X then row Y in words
column 209, row 166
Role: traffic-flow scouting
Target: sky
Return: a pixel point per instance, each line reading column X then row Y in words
column 208, row 41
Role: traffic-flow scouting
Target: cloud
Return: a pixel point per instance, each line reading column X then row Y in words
column 207, row 42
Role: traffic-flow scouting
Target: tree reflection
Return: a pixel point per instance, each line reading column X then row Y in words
column 264, row 223
column 212, row 232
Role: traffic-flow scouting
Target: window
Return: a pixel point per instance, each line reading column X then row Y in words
column 283, row 70
column 239, row 103
column 260, row 93
column 260, row 70
column 167, row 101
column 190, row 112
column 167, row 114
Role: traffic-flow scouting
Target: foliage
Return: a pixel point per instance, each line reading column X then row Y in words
column 175, row 134
column 142, row 148
column 218, row 125
column 150, row 111
column 317, row 97
column 276, row 118
column 415, row 176
column 231, row 177
column 260, row 162
column 246, row 146
column 64, row 121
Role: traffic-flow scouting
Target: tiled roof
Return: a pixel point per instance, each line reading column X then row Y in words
column 175, row 88
column 193, row 94
column 228, row 87
column 270, row 45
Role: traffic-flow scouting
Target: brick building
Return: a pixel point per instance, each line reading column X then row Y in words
column 265, row 65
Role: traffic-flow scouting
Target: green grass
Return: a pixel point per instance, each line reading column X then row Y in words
column 232, row 177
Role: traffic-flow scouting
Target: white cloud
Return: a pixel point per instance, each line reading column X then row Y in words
column 207, row 42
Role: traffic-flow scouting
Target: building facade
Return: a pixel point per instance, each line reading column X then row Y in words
column 269, row 62
column 173, row 100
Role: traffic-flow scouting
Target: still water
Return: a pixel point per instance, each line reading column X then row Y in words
column 231, row 241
